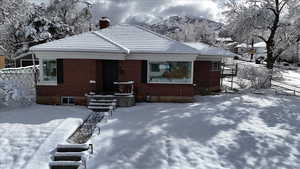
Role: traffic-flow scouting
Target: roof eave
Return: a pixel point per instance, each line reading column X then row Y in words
column 163, row 52
column 77, row 50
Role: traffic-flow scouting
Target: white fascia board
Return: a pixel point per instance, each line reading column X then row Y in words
column 80, row 55
column 34, row 50
column 209, row 58
column 163, row 52
column 162, row 57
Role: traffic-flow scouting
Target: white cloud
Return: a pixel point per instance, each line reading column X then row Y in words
column 120, row 10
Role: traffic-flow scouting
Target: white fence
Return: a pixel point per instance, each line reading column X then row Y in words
column 288, row 88
column 17, row 85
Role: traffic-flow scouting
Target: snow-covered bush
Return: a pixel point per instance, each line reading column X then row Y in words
column 256, row 77
column 242, row 83
column 17, row 86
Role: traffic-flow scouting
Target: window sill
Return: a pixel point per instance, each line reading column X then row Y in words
column 47, row 83
column 170, row 83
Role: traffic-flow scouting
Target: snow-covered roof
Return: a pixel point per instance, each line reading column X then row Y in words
column 228, row 39
column 242, row 45
column 260, row 45
column 206, row 50
column 120, row 39
column 85, row 42
column 231, row 44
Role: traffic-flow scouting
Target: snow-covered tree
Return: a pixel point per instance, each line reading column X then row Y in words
column 268, row 20
column 75, row 13
column 195, row 32
column 45, row 23
column 12, row 10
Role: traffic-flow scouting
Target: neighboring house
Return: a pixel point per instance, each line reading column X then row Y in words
column 213, row 52
column 242, row 48
column 260, row 49
column 227, row 40
column 26, row 59
column 2, row 57
column 161, row 69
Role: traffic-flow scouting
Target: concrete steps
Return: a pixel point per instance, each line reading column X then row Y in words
column 69, row 156
column 64, row 165
column 72, row 147
column 102, row 103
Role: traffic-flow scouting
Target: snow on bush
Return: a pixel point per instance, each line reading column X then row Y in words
column 256, row 77
column 17, row 86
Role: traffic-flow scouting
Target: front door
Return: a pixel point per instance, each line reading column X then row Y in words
column 110, row 75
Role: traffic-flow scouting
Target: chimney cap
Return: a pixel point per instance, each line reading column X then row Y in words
column 104, row 22
column 105, row 19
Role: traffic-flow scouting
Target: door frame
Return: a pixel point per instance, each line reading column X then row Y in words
column 110, row 74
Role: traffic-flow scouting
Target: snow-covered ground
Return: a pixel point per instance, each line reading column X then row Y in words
column 29, row 134
column 286, row 79
column 291, row 77
column 216, row 132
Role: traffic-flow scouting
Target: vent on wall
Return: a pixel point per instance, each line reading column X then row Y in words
column 67, row 100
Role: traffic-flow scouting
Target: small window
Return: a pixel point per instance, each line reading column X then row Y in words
column 215, row 66
column 67, row 100
column 49, row 71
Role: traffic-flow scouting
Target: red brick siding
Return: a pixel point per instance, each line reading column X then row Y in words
column 204, row 78
column 131, row 71
column 77, row 76
column 78, row 73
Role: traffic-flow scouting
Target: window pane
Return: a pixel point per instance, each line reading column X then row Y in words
column 49, row 70
column 170, row 72
column 215, row 66
column 65, row 100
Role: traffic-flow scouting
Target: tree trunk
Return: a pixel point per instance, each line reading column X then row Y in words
column 252, row 48
column 270, row 55
column 270, row 63
column 270, row 43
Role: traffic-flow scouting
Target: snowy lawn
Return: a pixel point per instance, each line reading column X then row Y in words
column 291, row 77
column 29, row 134
column 226, row 131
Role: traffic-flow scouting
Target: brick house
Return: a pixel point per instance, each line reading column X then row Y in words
column 2, row 57
column 160, row 69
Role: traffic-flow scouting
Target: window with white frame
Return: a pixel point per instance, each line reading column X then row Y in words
column 170, row 72
column 67, row 100
column 49, row 71
column 215, row 66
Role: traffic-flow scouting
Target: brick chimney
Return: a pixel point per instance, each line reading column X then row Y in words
column 104, row 22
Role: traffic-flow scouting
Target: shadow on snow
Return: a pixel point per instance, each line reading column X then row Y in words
column 225, row 131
